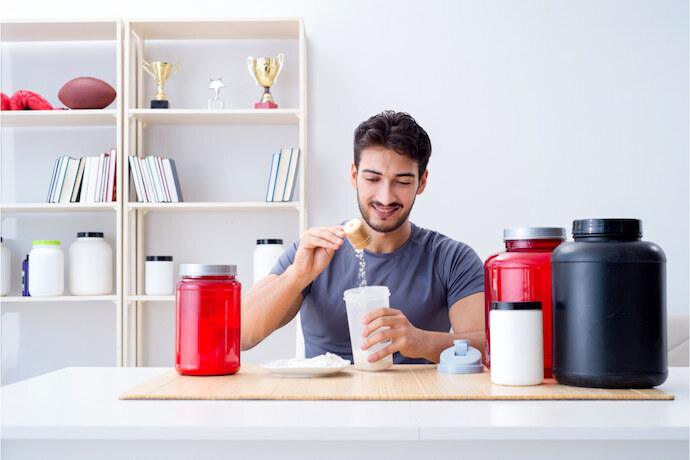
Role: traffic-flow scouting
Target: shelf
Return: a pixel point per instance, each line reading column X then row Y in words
column 57, row 118
column 241, row 29
column 57, row 207
column 216, row 117
column 62, row 298
column 150, row 298
column 216, row 206
column 58, row 31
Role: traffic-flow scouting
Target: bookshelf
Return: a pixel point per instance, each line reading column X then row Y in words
column 33, row 139
column 206, row 49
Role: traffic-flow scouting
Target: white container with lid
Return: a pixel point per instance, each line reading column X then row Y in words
column 160, row 279
column 90, row 264
column 5, row 270
column 266, row 254
column 517, row 343
column 358, row 303
column 46, row 269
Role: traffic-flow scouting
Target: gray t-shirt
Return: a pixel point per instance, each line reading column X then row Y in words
column 426, row 276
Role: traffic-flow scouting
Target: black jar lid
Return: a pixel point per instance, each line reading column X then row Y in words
column 607, row 227
column 516, row 305
column 159, row 258
column 90, row 235
column 269, row 241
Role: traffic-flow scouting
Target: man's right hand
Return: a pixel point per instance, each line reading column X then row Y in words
column 315, row 251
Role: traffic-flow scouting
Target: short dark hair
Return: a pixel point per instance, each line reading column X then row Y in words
column 396, row 131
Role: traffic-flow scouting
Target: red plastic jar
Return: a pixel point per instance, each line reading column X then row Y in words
column 207, row 329
column 523, row 274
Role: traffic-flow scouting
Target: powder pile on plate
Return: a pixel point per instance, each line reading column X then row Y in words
column 327, row 360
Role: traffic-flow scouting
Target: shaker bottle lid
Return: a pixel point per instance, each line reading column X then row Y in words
column 159, row 258
column 207, row 270
column 534, row 233
column 595, row 227
column 45, row 242
column 515, row 305
column 461, row 358
column 269, row 241
column 90, row 235
column 363, row 294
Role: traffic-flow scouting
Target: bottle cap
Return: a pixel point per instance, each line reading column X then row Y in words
column 534, row 233
column 270, row 241
column 515, row 305
column 357, row 233
column 207, row 270
column 90, row 235
column 159, row 258
column 461, row 358
column 607, row 227
column 46, row 242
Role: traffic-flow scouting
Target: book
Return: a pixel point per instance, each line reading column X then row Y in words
column 56, row 166
column 110, row 187
column 155, row 179
column 272, row 176
column 59, row 179
column 135, row 179
column 164, row 182
column 77, row 183
column 281, row 176
column 148, row 181
column 172, row 180
column 103, row 184
column 69, row 180
column 92, row 167
column 292, row 175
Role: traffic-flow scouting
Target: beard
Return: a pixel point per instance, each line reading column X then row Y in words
column 385, row 227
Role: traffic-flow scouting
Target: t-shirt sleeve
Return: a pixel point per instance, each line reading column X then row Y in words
column 462, row 269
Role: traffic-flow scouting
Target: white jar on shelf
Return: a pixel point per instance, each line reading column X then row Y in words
column 46, row 269
column 160, row 278
column 266, row 254
column 5, row 271
column 90, row 265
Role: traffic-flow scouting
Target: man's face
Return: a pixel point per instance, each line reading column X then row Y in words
column 387, row 184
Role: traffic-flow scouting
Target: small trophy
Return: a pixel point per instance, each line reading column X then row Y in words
column 265, row 72
column 160, row 71
column 216, row 102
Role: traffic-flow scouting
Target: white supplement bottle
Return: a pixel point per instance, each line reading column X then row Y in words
column 517, row 343
column 90, row 264
column 160, row 278
column 5, row 271
column 266, row 255
column 46, row 269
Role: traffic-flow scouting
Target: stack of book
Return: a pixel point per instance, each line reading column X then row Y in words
column 83, row 180
column 155, row 179
column 283, row 175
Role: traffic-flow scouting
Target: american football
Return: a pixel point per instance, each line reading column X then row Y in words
column 87, row 93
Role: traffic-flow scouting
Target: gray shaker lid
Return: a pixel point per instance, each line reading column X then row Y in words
column 207, row 270
column 534, row 233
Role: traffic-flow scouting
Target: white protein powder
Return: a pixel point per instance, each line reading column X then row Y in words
column 327, row 360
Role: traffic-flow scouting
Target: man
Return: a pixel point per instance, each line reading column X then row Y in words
column 435, row 282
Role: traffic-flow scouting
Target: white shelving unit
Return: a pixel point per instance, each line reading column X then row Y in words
column 139, row 119
column 50, row 34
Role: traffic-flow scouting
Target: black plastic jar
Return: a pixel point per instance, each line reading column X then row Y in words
column 609, row 307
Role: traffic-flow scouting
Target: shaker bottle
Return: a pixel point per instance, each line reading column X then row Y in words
column 517, row 341
column 46, row 269
column 609, row 297
column 523, row 274
column 266, row 254
column 359, row 302
column 90, row 265
column 207, row 328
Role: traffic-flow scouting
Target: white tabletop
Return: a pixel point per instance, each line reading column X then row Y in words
column 81, row 403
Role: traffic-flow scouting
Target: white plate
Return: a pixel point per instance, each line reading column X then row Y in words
column 304, row 371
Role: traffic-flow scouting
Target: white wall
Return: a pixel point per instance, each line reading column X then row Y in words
column 539, row 112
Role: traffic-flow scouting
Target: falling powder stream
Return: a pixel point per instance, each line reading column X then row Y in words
column 362, row 267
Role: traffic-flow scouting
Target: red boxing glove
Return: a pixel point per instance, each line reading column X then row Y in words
column 26, row 100
column 5, row 101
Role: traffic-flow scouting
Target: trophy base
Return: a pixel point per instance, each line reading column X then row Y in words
column 160, row 104
column 265, row 105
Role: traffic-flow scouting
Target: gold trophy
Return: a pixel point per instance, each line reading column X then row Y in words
column 265, row 72
column 160, row 71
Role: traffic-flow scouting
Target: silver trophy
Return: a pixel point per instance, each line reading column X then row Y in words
column 215, row 101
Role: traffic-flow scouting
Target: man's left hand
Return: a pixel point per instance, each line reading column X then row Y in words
column 405, row 338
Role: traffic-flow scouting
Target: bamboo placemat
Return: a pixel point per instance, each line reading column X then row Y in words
column 401, row 382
